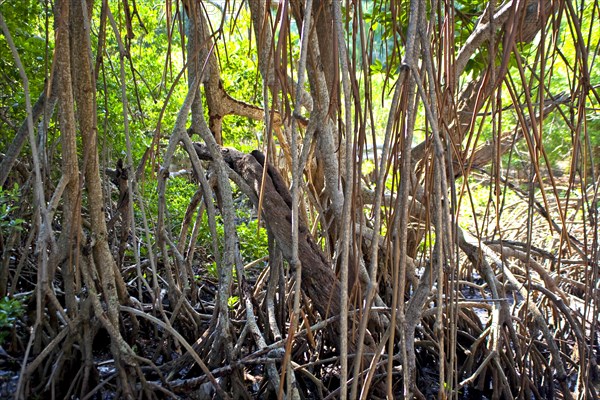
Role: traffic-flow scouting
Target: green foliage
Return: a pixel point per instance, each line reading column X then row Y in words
column 9, row 199
column 241, row 77
column 253, row 241
column 179, row 192
column 368, row 166
column 594, row 136
column 205, row 240
column 26, row 21
column 212, row 269
column 426, row 245
column 233, row 301
column 385, row 25
column 148, row 81
column 10, row 311
column 473, row 202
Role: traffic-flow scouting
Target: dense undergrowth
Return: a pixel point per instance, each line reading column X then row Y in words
column 440, row 239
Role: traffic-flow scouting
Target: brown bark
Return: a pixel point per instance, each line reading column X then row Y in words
column 70, row 234
column 519, row 23
column 327, row 135
column 318, row 279
column 264, row 40
column 120, row 177
column 485, row 152
column 101, row 259
column 218, row 101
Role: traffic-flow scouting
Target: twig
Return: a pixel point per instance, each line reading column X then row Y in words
column 184, row 343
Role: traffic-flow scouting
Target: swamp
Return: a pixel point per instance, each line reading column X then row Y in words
column 300, row 199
